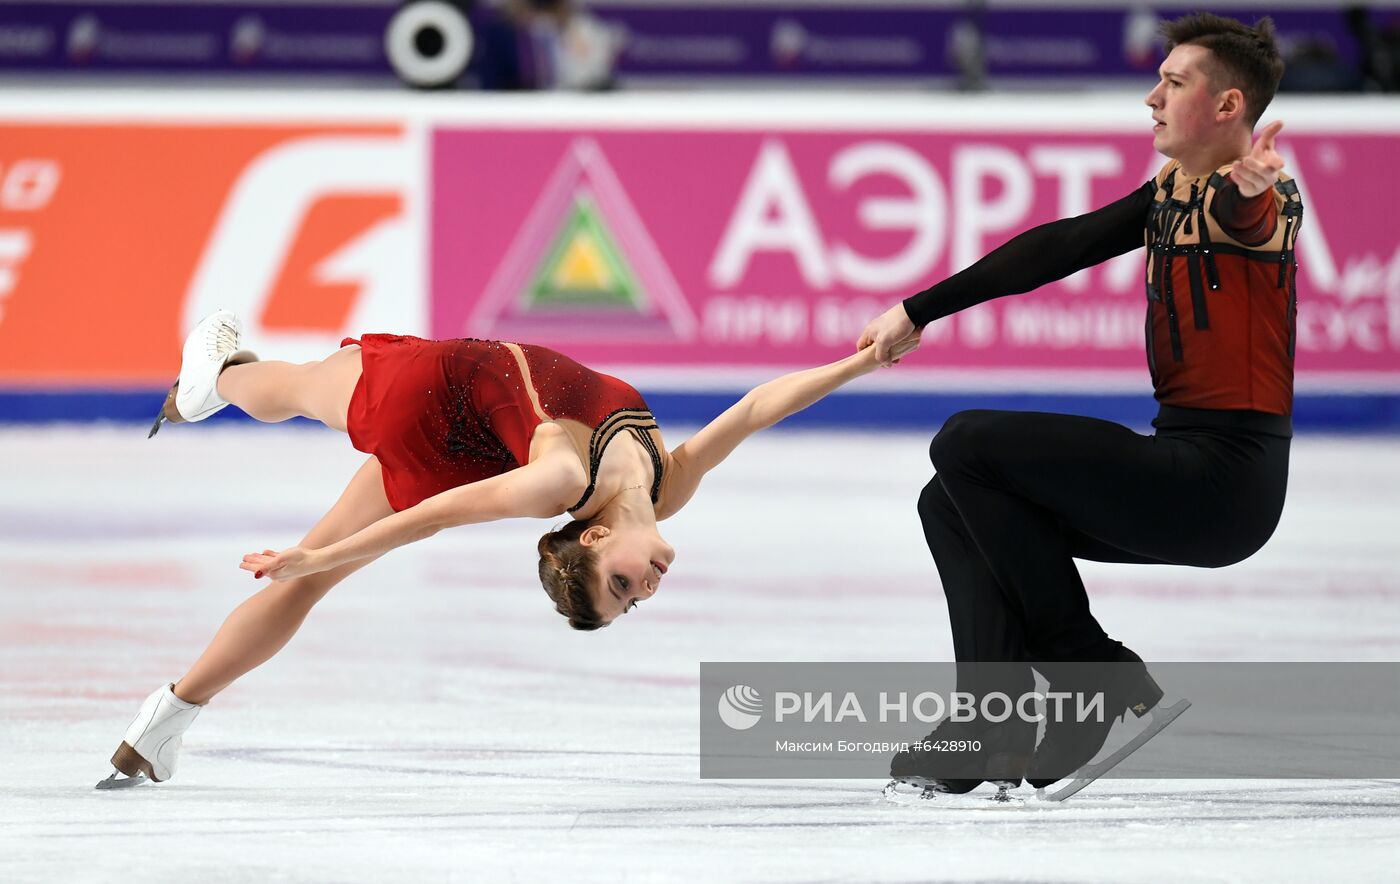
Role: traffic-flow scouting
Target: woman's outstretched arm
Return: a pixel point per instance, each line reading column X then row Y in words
column 761, row 407
column 540, row 489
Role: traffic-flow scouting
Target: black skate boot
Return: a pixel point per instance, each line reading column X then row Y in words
column 1069, row 744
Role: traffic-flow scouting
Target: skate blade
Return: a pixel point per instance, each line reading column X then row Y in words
column 916, row 792
column 118, row 780
column 1158, row 719
column 167, row 413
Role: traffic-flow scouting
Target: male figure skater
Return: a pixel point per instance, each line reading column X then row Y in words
column 1018, row 496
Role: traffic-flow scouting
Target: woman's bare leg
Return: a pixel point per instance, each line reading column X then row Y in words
column 276, row 391
column 262, row 625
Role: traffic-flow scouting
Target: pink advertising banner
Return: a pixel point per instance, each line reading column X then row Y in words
column 705, row 248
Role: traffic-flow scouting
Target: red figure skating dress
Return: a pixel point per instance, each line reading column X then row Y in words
column 439, row 414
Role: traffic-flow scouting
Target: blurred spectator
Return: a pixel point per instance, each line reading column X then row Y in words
column 1380, row 49
column 967, row 48
column 545, row 44
column 1142, row 38
column 1314, row 65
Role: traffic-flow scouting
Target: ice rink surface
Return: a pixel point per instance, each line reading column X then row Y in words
column 434, row 720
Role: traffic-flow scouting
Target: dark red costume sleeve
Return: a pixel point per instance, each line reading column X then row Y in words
column 1250, row 220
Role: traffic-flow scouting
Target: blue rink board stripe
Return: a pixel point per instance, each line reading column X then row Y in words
column 1350, row 412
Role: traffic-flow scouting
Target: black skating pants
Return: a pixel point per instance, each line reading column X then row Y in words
column 1017, row 497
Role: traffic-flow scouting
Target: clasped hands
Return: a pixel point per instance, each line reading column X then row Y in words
column 892, row 334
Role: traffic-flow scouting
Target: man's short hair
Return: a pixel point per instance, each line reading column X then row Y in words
column 1242, row 57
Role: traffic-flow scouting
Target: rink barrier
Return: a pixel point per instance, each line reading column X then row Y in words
column 902, row 410
column 321, row 215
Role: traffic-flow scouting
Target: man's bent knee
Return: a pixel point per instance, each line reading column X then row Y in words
column 934, row 504
column 943, row 526
column 957, row 440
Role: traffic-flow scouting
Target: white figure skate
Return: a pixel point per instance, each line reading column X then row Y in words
column 209, row 349
column 151, row 746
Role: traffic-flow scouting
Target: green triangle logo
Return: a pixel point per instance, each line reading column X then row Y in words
column 584, row 268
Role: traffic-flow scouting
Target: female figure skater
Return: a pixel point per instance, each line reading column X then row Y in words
column 458, row 432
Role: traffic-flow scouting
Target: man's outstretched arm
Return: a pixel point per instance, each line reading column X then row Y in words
column 1040, row 255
